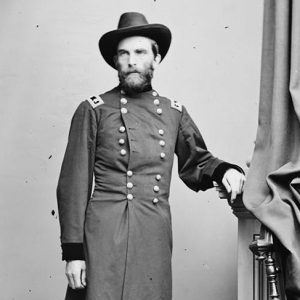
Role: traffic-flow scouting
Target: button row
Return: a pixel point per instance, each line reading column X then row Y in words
column 129, row 184
column 162, row 143
column 158, row 110
column 123, row 109
column 124, row 101
column 156, row 189
column 122, row 129
column 157, row 103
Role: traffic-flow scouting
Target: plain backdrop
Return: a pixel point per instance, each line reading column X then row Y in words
column 50, row 62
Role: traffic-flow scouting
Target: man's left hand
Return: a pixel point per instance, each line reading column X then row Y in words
column 233, row 181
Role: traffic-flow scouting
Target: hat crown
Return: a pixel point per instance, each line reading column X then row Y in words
column 130, row 19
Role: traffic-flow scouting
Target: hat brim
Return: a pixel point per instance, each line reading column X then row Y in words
column 108, row 43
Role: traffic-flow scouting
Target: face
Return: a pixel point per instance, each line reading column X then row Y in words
column 135, row 62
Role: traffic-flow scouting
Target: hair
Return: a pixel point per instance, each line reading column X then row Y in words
column 155, row 48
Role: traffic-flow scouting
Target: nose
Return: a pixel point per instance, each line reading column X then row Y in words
column 132, row 60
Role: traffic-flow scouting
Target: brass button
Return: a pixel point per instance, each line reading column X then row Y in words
column 159, row 111
column 123, row 152
column 122, row 129
column 154, row 94
column 161, row 132
column 123, row 100
column 163, row 155
column 129, row 185
column 156, row 102
column 158, row 177
column 129, row 173
column 156, row 188
column 121, row 141
column 155, row 200
column 129, row 196
column 124, row 110
column 162, row 143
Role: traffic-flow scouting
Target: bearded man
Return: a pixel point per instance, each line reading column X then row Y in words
column 117, row 238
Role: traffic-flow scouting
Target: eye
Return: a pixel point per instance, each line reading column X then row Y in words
column 122, row 53
column 140, row 51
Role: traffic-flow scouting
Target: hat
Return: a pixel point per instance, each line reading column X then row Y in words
column 134, row 24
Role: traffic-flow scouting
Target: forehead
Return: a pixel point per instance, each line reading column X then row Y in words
column 134, row 42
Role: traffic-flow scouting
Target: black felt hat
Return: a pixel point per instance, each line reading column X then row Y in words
column 134, row 24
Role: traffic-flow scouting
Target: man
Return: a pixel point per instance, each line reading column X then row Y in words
column 118, row 242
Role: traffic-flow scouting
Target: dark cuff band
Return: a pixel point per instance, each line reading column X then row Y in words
column 221, row 170
column 72, row 251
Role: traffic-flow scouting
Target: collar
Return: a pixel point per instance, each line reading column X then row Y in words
column 147, row 90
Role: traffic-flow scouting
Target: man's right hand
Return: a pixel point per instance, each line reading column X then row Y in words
column 76, row 274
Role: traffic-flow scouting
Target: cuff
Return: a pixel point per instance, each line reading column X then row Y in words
column 72, row 251
column 221, row 169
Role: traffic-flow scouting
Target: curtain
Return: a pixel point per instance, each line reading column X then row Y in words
column 272, row 190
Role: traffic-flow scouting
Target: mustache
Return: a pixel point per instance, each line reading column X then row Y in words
column 131, row 72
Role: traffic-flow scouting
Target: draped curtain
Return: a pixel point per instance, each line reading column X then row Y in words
column 272, row 191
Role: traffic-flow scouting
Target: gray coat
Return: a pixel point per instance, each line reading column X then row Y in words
column 122, row 228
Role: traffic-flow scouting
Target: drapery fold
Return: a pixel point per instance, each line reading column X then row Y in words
column 272, row 191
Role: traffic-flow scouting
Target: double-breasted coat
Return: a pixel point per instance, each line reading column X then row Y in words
column 121, row 226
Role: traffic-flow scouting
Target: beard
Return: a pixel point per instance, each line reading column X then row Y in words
column 134, row 81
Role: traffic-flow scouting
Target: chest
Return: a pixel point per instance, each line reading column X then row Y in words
column 140, row 129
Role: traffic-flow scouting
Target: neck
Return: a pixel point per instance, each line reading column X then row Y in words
column 145, row 88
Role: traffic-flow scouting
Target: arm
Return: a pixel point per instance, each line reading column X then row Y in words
column 197, row 167
column 74, row 187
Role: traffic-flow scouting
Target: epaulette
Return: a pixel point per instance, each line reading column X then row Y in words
column 176, row 105
column 95, row 101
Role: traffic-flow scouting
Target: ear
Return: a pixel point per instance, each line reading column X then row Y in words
column 156, row 61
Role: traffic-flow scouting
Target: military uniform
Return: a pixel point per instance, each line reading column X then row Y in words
column 123, row 230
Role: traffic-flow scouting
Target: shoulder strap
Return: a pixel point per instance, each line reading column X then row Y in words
column 95, row 101
column 176, row 105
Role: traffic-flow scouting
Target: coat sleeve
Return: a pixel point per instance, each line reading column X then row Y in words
column 76, row 179
column 197, row 167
